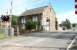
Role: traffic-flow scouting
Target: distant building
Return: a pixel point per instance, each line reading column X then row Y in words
column 45, row 15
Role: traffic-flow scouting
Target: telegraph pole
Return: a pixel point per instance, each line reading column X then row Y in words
column 10, row 17
column 11, row 6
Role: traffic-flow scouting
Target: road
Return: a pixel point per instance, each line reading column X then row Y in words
column 39, row 41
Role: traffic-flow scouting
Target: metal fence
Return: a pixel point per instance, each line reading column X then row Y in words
column 4, row 32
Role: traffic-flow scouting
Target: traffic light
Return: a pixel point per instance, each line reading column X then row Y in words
column 5, row 17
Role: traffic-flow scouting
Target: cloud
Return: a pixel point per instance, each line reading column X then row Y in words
column 67, row 15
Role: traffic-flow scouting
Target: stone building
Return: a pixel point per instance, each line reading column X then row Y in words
column 45, row 15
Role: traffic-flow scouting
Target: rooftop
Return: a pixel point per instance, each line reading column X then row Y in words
column 34, row 11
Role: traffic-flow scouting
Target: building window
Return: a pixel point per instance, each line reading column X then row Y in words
column 23, row 20
column 56, row 24
column 34, row 18
column 47, row 20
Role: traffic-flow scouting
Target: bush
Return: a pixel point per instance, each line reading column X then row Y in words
column 14, row 20
column 74, row 25
column 30, row 25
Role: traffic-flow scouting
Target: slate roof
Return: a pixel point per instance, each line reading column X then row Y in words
column 33, row 11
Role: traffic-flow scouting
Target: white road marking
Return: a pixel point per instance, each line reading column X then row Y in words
column 71, row 43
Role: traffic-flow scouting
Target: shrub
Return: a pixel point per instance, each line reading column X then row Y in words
column 30, row 25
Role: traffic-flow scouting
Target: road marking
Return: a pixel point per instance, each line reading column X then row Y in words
column 71, row 43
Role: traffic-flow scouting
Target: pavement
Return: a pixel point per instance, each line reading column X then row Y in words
column 39, row 41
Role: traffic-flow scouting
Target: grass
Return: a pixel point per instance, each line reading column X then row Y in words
column 2, row 33
column 2, row 36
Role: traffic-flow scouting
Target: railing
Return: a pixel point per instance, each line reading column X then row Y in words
column 4, row 31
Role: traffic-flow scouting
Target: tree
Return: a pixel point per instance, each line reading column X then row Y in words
column 14, row 24
column 30, row 25
column 74, row 25
column 66, row 24
column 14, row 20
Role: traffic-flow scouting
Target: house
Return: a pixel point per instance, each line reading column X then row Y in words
column 45, row 15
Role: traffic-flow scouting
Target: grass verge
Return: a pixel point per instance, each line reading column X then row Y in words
column 2, row 36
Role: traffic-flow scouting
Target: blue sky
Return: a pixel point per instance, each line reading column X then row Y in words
column 63, row 8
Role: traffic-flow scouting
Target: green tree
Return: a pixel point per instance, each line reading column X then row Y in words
column 66, row 24
column 74, row 25
column 30, row 25
column 14, row 24
column 14, row 20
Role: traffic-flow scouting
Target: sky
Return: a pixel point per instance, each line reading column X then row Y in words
column 64, row 8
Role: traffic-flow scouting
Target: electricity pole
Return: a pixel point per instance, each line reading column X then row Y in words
column 10, row 17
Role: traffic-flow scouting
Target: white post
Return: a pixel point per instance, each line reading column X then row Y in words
column 12, row 32
column 17, row 30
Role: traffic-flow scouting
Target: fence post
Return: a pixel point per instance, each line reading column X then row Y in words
column 17, row 30
column 12, row 31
